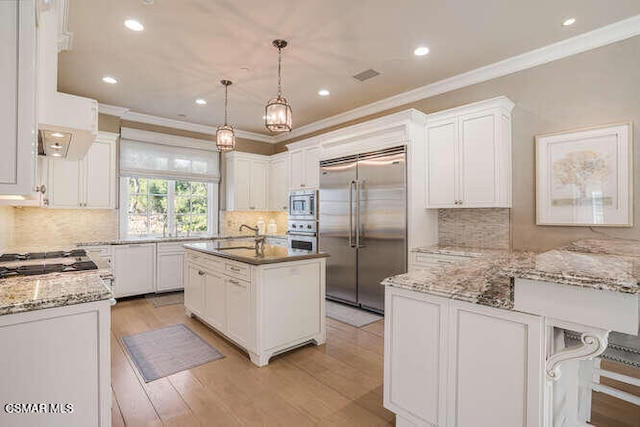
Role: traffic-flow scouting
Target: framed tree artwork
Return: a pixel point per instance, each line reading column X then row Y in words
column 585, row 177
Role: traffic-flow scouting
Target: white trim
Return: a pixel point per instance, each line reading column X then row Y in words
column 603, row 36
column 112, row 110
column 65, row 37
column 166, row 139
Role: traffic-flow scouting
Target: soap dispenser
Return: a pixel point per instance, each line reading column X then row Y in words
column 261, row 226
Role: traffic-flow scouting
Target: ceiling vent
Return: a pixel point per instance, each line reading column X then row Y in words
column 366, row 75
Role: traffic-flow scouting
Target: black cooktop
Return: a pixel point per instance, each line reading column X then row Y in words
column 80, row 262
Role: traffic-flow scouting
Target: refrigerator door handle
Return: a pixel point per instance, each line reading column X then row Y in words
column 351, row 214
column 358, row 225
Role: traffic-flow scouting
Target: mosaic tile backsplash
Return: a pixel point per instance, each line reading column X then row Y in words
column 475, row 228
column 230, row 221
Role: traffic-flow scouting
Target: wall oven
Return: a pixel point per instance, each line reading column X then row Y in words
column 303, row 220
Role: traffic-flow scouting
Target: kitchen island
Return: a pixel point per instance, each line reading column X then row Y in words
column 55, row 358
column 481, row 342
column 266, row 302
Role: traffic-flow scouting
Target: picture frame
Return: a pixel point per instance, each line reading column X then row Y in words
column 584, row 177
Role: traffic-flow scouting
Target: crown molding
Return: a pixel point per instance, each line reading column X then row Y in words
column 126, row 114
column 603, row 36
column 112, row 110
column 164, row 139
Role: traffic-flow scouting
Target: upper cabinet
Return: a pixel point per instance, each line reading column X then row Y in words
column 17, row 103
column 468, row 156
column 89, row 183
column 304, row 168
column 247, row 181
column 73, row 116
column 279, row 182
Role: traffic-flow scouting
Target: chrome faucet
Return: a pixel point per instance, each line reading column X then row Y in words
column 258, row 239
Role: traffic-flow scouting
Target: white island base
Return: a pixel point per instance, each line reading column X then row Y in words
column 266, row 309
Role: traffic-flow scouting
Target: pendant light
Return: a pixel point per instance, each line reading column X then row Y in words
column 225, row 138
column 278, row 111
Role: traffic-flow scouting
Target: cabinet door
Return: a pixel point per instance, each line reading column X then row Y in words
column 99, row 175
column 17, row 103
column 194, row 289
column 415, row 357
column 479, row 158
column 296, row 170
column 441, row 164
column 237, row 299
column 259, row 185
column 134, row 269
column 170, row 271
column 64, row 183
column 496, row 362
column 215, row 312
column 241, row 185
column 278, row 185
column 312, row 167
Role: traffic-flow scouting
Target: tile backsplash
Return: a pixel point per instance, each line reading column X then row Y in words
column 230, row 221
column 479, row 228
column 41, row 229
column 6, row 227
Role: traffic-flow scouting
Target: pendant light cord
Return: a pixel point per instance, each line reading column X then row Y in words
column 226, row 102
column 279, row 72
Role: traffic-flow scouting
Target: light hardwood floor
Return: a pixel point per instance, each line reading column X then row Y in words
column 336, row 384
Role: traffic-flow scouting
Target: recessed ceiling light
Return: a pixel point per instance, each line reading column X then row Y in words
column 133, row 25
column 569, row 22
column 323, row 92
column 421, row 51
column 110, row 80
column 56, row 146
column 57, row 135
column 201, row 101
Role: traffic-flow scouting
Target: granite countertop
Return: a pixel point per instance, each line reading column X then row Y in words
column 456, row 251
column 244, row 251
column 158, row 239
column 27, row 293
column 612, row 265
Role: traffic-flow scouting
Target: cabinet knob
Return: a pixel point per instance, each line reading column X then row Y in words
column 303, row 185
column 200, row 273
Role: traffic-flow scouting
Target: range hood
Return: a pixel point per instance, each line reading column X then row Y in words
column 73, row 117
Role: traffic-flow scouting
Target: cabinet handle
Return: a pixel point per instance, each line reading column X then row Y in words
column 303, row 185
column 235, row 282
column 234, row 269
column 200, row 273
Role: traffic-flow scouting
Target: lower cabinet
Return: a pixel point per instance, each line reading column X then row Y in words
column 453, row 363
column 134, row 268
column 266, row 309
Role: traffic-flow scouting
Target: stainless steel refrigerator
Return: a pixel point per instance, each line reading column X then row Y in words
column 363, row 205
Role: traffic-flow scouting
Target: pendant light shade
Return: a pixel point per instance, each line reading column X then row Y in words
column 225, row 138
column 277, row 116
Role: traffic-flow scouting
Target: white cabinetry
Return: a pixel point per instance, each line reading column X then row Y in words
column 265, row 309
column 247, row 181
column 469, row 156
column 86, row 183
column 453, row 363
column 418, row 260
column 17, row 103
column 58, row 356
column 304, row 168
column 279, row 182
column 134, row 268
column 170, row 266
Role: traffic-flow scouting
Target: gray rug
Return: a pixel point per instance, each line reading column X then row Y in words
column 350, row 315
column 165, row 351
column 165, row 299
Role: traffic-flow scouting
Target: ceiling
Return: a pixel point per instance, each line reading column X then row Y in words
column 188, row 46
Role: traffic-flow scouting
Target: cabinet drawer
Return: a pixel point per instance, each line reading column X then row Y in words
column 423, row 260
column 205, row 261
column 102, row 251
column 236, row 269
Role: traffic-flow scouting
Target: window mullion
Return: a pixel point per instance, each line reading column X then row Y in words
column 171, row 214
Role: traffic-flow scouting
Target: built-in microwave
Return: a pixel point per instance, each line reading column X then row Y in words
column 303, row 204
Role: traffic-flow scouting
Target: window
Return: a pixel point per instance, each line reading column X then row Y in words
column 157, row 207
column 168, row 185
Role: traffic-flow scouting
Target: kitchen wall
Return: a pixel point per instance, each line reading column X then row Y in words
column 6, row 227
column 230, row 221
column 40, row 229
column 592, row 88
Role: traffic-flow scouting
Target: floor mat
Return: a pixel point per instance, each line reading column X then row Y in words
column 350, row 315
column 165, row 351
